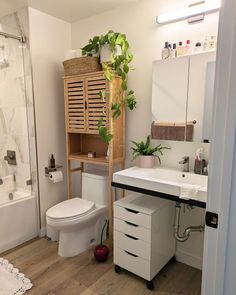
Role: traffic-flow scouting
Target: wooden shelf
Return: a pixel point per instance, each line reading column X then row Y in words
column 99, row 160
column 83, row 110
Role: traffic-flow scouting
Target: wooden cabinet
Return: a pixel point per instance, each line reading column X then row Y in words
column 83, row 103
column 83, row 108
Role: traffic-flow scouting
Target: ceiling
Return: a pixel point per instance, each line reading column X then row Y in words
column 68, row 10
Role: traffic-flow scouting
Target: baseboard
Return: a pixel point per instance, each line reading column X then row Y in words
column 42, row 232
column 189, row 259
column 17, row 242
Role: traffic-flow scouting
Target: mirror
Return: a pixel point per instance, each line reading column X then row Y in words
column 182, row 97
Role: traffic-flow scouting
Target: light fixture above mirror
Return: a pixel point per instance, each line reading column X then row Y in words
column 194, row 10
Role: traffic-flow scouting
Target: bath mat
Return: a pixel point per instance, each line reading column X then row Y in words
column 12, row 282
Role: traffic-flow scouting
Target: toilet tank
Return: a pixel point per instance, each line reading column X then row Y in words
column 95, row 186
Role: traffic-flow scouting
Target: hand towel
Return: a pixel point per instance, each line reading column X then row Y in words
column 188, row 191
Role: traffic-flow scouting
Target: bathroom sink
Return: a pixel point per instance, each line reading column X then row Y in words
column 168, row 181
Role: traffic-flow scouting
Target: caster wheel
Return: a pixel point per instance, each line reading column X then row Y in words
column 173, row 259
column 150, row 285
column 117, row 269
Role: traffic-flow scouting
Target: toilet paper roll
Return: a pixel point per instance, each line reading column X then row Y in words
column 56, row 176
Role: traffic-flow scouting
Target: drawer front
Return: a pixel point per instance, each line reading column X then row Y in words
column 133, row 263
column 132, row 245
column 132, row 229
column 132, row 216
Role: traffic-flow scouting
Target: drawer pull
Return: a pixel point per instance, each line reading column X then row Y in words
column 132, row 211
column 131, row 237
column 132, row 224
column 131, row 254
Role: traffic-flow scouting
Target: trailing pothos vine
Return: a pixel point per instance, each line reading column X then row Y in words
column 120, row 65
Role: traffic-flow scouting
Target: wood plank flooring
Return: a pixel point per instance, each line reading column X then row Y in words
column 82, row 275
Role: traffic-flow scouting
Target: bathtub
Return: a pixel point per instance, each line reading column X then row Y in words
column 18, row 216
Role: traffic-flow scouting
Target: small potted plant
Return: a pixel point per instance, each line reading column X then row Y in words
column 146, row 153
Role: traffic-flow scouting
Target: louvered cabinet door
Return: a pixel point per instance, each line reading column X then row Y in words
column 75, row 105
column 96, row 107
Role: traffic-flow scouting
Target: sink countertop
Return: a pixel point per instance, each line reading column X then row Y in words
column 163, row 180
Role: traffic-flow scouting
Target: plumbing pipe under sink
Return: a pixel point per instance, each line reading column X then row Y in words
column 188, row 230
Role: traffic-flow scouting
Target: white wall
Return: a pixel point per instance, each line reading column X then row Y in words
column 50, row 38
column 146, row 39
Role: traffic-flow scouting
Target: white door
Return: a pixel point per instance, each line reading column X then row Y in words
column 219, row 263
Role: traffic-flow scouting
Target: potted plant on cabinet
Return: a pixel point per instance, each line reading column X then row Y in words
column 116, row 47
column 146, row 153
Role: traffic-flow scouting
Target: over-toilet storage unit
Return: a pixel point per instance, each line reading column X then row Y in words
column 143, row 235
column 84, row 106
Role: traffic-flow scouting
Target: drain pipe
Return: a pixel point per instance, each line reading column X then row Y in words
column 188, row 230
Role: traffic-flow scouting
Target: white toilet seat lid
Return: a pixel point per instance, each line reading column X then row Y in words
column 75, row 207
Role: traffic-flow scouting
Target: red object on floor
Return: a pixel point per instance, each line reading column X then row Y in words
column 101, row 253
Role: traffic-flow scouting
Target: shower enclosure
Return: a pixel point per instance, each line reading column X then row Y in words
column 18, row 171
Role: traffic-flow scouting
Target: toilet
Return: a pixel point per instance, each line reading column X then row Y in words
column 77, row 222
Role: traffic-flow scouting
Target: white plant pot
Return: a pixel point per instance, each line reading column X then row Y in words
column 146, row 161
column 105, row 53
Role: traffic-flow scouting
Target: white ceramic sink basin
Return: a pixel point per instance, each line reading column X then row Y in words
column 162, row 180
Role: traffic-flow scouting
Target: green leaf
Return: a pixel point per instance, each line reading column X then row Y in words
column 115, row 107
column 102, row 94
column 129, row 57
column 126, row 68
column 108, row 75
column 130, row 100
column 124, row 85
column 119, row 39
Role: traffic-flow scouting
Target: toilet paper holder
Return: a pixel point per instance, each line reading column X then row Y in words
column 49, row 169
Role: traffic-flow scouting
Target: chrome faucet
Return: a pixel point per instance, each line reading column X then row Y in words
column 185, row 163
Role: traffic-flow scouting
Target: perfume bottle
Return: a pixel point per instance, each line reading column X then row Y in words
column 188, row 48
column 198, row 47
column 180, row 49
column 173, row 51
column 165, row 51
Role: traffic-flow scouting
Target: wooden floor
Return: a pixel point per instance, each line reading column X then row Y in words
column 82, row 275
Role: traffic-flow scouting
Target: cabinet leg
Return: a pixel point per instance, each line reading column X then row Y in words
column 150, row 285
column 117, row 269
column 110, row 202
column 173, row 259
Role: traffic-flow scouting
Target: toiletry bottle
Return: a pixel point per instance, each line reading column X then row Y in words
column 180, row 49
column 212, row 43
column 174, row 52
column 52, row 162
column 171, row 51
column 165, row 51
column 198, row 47
column 188, row 48
column 205, row 45
column 200, row 162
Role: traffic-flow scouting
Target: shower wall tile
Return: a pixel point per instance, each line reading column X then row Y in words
column 17, row 124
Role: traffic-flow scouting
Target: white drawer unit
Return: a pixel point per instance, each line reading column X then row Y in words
column 143, row 235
